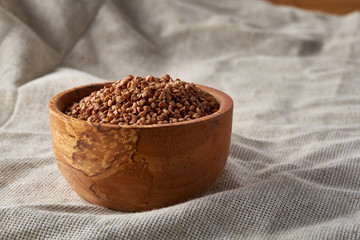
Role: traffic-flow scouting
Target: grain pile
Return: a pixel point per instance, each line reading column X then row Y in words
column 144, row 101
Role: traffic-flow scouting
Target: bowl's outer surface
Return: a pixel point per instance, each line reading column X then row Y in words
column 139, row 168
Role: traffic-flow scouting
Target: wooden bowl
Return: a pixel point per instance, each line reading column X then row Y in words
column 136, row 168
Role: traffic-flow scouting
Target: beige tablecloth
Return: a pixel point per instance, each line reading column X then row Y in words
column 293, row 170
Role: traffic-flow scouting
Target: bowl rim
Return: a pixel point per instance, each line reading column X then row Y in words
column 224, row 100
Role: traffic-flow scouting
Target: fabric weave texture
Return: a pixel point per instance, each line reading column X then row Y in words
column 293, row 170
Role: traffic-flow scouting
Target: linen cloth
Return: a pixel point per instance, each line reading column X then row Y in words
column 293, row 170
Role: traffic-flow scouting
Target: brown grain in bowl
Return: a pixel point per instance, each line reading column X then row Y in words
column 144, row 101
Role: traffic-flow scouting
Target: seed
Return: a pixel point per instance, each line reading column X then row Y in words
column 127, row 118
column 115, row 121
column 141, row 102
column 164, row 116
column 127, row 95
column 195, row 115
column 147, row 108
column 149, row 78
column 166, row 77
column 96, row 106
column 162, row 104
column 120, row 99
column 133, row 120
column 142, row 114
column 162, row 96
column 128, row 104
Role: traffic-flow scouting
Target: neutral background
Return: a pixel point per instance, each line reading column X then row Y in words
column 293, row 170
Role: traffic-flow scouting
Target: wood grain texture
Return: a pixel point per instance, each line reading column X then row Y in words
column 136, row 168
column 330, row 6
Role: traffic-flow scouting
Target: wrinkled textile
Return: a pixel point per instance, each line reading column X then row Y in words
column 293, row 170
